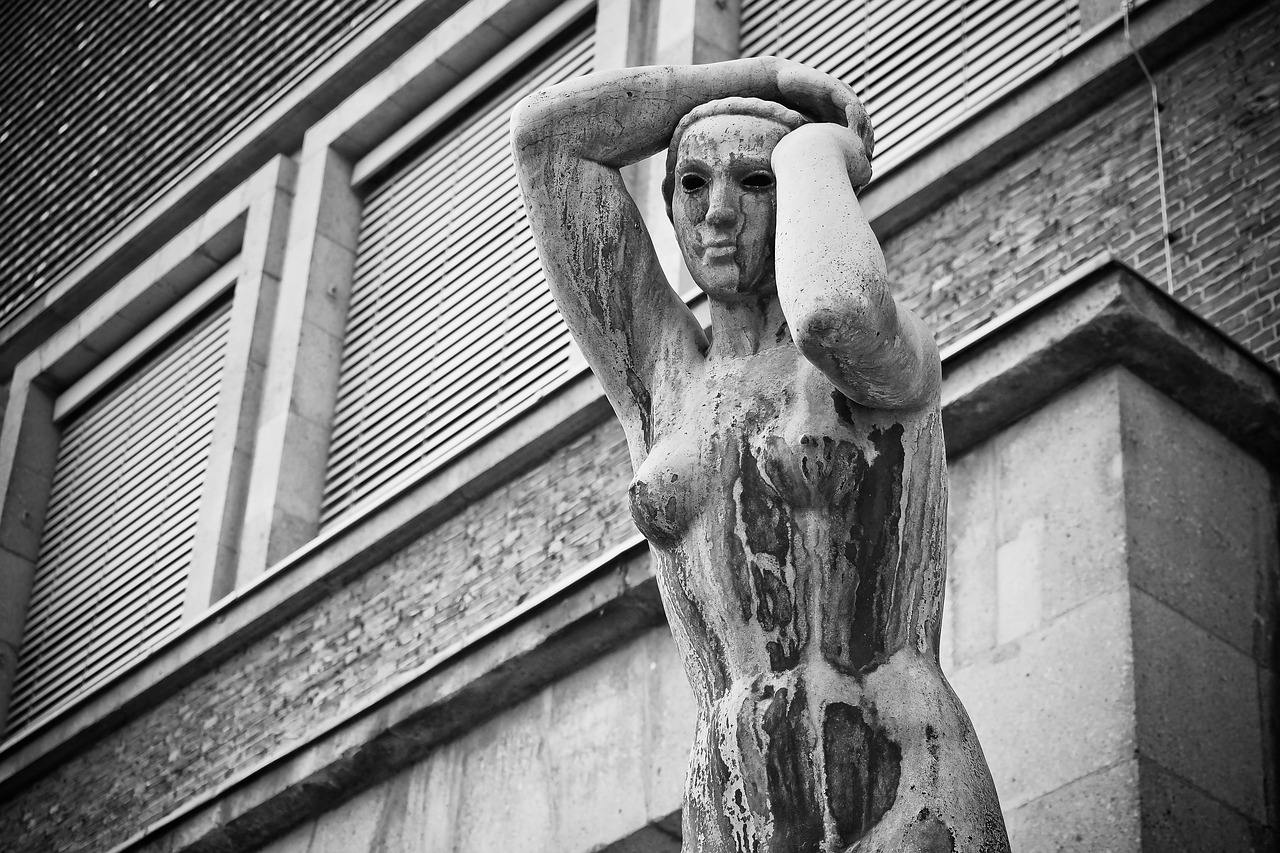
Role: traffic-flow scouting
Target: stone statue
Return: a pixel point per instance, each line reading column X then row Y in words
column 790, row 473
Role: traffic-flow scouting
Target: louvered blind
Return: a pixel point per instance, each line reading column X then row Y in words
column 917, row 64
column 451, row 326
column 108, row 104
column 111, row 577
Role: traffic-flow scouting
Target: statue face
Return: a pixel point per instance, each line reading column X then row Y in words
column 723, row 205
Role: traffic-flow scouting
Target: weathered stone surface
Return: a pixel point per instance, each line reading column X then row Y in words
column 567, row 769
column 790, row 472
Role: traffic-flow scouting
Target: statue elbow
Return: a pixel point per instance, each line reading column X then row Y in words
column 823, row 332
column 528, row 124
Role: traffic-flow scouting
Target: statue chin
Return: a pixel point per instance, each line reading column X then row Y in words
column 725, row 282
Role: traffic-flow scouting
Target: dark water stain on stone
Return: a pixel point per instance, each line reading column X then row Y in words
column 767, row 523
column 729, row 454
column 932, row 744
column 843, row 410
column 796, row 812
column 871, row 553
column 718, row 773
column 709, row 647
column 644, row 404
column 863, row 767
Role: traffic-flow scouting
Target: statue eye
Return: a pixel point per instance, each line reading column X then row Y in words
column 758, row 181
column 692, row 183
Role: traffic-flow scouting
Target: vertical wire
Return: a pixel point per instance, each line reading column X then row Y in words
column 1155, row 113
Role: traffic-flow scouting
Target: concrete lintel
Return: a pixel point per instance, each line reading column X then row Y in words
column 603, row 606
column 1109, row 316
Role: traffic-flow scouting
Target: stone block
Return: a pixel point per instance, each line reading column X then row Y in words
column 1057, row 704
column 16, row 577
column 1180, row 818
column 506, row 793
column 1267, row 688
column 338, row 208
column 1034, row 534
column 429, row 794
column 1198, row 713
column 354, row 826
column 315, row 384
column 614, row 34
column 670, row 713
column 1095, row 813
column 969, row 621
column 1059, row 493
column 329, row 285
column 1201, row 520
column 301, row 482
column 595, row 750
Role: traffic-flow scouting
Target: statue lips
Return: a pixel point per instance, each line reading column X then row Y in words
column 719, row 251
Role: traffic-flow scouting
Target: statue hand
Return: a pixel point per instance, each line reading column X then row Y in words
column 825, row 99
column 827, row 136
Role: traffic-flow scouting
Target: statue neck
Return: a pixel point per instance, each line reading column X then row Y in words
column 745, row 327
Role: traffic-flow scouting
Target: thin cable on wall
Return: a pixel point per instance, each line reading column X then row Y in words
column 1155, row 114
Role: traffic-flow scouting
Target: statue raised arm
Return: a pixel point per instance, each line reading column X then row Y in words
column 790, row 472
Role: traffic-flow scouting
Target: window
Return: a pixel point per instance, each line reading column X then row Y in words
column 121, row 519
column 917, row 64
column 125, row 458
column 451, row 328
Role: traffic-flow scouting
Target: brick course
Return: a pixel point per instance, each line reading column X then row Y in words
column 1094, row 188
column 1089, row 189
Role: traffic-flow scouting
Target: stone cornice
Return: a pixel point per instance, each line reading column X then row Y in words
column 1106, row 314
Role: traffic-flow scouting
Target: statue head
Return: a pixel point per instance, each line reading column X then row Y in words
column 719, row 192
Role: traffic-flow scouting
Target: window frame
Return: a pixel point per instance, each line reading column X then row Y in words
column 232, row 251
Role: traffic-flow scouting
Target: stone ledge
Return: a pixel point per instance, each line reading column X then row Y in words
column 605, row 605
column 1106, row 314
column 1100, row 316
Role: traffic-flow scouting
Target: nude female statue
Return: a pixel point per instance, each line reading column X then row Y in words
column 790, row 473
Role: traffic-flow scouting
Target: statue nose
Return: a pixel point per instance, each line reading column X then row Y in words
column 721, row 209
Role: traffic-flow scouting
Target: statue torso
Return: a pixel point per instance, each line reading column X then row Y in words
column 776, row 507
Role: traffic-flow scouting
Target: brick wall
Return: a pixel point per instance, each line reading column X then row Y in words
column 1094, row 188
column 477, row 566
column 1091, row 188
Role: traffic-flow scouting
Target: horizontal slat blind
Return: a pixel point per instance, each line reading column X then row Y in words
column 111, row 577
column 451, row 326
column 108, row 104
column 917, row 64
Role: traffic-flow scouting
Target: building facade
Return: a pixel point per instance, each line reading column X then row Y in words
column 314, row 532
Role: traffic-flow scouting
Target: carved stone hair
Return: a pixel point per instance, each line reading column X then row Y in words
column 754, row 107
